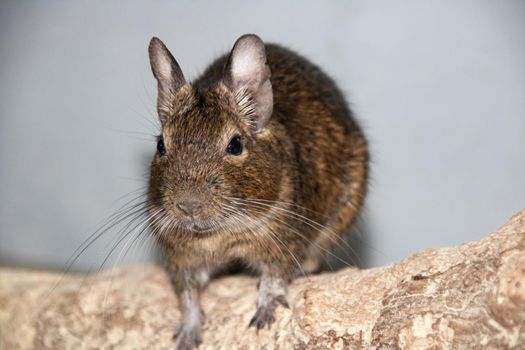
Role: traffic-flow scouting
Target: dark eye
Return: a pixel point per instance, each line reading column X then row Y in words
column 235, row 146
column 160, row 146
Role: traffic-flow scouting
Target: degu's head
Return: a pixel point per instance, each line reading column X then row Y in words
column 216, row 150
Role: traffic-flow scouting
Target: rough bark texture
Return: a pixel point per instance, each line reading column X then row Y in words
column 470, row 297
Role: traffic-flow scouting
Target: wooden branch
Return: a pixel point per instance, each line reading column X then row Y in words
column 472, row 296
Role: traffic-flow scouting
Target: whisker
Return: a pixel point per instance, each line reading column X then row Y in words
column 144, row 226
column 290, row 227
column 272, row 235
column 124, row 212
column 318, row 227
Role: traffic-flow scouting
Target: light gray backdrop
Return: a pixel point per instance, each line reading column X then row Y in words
column 438, row 85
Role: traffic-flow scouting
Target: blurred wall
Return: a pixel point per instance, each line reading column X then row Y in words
column 438, row 85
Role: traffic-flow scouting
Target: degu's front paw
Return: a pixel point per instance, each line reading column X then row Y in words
column 265, row 314
column 187, row 338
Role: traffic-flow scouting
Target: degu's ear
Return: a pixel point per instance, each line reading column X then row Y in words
column 248, row 72
column 167, row 72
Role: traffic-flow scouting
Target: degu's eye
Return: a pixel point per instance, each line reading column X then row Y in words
column 160, row 146
column 235, row 146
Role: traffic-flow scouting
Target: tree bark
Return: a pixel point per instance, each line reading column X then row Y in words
column 469, row 297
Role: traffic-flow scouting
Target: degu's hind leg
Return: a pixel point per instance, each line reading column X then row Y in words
column 330, row 238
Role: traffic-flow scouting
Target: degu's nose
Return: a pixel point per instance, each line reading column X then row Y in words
column 190, row 207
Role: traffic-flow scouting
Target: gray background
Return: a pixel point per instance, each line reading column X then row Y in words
column 438, row 85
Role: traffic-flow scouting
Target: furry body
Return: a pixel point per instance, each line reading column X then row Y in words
column 295, row 189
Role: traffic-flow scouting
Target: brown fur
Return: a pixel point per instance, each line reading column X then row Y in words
column 311, row 159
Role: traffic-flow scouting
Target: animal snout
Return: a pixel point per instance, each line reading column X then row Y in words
column 190, row 207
